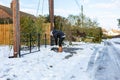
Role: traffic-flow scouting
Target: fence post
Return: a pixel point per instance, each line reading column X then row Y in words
column 38, row 41
column 20, row 51
column 30, row 41
column 45, row 40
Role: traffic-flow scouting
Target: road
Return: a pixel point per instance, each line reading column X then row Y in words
column 104, row 63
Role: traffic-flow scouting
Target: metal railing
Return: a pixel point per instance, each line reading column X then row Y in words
column 31, row 42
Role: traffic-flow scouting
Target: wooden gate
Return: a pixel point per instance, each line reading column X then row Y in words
column 6, row 34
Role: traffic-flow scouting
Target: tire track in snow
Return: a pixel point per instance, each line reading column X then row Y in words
column 93, row 58
column 97, row 62
column 114, row 54
column 104, row 63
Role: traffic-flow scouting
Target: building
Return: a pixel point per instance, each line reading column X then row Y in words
column 6, row 21
column 6, row 17
column 6, row 13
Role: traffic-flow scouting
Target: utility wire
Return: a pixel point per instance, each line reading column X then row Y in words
column 77, row 4
column 38, row 8
column 42, row 6
column 80, row 8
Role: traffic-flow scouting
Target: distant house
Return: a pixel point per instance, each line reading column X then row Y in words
column 6, row 14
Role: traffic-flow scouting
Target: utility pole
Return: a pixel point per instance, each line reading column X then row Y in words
column 16, row 27
column 82, row 15
column 118, row 23
column 51, row 15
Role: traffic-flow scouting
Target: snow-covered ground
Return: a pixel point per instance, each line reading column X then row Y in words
column 88, row 61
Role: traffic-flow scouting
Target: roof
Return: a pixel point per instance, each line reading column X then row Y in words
column 9, row 11
column 6, row 9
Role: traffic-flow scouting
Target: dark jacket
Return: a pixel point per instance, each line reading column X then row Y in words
column 58, row 34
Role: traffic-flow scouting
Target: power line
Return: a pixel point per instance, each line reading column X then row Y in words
column 80, row 8
column 77, row 4
column 38, row 8
column 42, row 6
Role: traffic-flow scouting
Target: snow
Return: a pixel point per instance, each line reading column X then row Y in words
column 88, row 61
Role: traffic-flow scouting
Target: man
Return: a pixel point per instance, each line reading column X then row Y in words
column 59, row 36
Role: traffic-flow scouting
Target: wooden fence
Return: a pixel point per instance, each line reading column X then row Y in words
column 46, row 30
column 6, row 34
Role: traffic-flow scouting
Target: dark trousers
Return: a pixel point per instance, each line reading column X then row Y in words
column 59, row 40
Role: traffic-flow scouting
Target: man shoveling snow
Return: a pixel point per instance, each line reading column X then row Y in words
column 59, row 36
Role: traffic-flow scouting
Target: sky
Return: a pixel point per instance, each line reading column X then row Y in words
column 105, row 12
